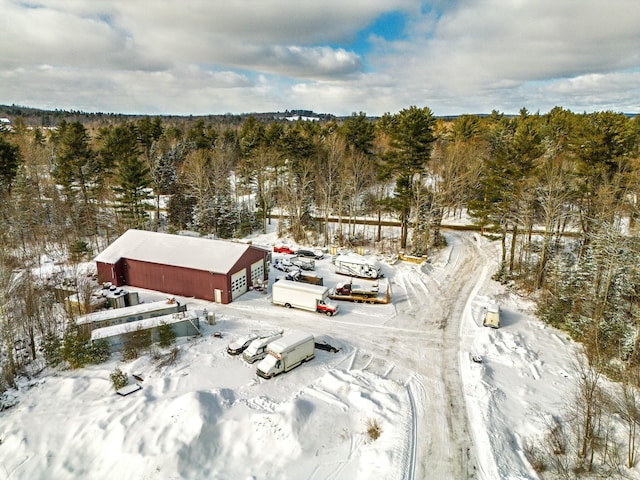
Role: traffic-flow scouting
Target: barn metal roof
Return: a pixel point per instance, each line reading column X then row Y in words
column 216, row 256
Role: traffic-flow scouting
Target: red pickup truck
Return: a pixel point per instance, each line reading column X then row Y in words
column 283, row 249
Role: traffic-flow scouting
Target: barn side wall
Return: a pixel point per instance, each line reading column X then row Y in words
column 113, row 273
column 181, row 281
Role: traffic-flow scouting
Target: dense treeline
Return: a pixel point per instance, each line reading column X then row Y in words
column 559, row 191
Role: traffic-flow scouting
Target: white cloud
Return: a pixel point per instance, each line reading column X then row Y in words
column 488, row 53
column 173, row 56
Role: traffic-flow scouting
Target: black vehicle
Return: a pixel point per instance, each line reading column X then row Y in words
column 317, row 254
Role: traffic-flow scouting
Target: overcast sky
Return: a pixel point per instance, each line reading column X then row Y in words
column 331, row 56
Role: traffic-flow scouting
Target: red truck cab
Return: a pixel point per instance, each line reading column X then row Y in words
column 329, row 309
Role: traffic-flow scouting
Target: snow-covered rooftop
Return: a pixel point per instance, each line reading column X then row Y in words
column 358, row 259
column 141, row 308
column 189, row 252
column 147, row 323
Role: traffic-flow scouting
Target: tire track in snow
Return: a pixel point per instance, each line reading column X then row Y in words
column 446, row 445
column 412, row 282
column 425, row 338
column 410, row 470
column 454, row 386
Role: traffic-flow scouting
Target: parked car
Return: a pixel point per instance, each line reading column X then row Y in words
column 283, row 249
column 284, row 265
column 240, row 345
column 314, row 253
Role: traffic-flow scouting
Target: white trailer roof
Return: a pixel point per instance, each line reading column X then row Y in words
column 358, row 259
column 293, row 338
column 179, row 250
column 302, row 287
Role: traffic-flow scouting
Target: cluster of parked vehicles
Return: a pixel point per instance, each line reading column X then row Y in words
column 252, row 347
column 300, row 288
column 277, row 353
column 301, row 252
column 303, row 289
column 294, row 263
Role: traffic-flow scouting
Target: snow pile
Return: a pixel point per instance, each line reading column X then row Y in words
column 207, row 416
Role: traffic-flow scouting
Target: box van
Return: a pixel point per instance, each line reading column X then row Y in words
column 287, row 353
column 257, row 349
column 303, row 295
column 492, row 316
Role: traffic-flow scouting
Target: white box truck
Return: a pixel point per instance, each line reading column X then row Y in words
column 314, row 298
column 286, row 353
column 357, row 266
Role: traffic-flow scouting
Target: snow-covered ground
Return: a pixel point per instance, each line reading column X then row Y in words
column 406, row 367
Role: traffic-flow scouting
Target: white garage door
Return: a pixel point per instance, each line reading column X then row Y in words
column 238, row 284
column 257, row 272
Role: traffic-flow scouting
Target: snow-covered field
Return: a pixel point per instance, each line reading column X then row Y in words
column 406, row 367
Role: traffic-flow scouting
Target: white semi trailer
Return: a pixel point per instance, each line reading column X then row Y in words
column 286, row 353
column 357, row 266
column 302, row 295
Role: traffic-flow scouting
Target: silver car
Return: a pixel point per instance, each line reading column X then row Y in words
column 240, row 345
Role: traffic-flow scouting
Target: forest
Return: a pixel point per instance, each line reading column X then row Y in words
column 558, row 190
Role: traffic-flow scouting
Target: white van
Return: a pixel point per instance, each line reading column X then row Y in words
column 492, row 316
column 257, row 350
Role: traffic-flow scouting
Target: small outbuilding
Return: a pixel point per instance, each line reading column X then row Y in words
column 117, row 316
column 214, row 270
column 183, row 324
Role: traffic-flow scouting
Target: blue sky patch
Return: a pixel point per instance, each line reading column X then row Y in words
column 389, row 26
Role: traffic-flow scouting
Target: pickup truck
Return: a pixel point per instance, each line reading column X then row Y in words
column 351, row 289
column 354, row 293
column 283, row 249
column 285, row 265
column 303, row 263
column 298, row 276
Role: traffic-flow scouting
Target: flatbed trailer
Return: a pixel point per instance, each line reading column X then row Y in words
column 361, row 298
column 298, row 276
column 356, row 290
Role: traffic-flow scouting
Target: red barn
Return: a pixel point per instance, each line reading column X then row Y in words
column 213, row 270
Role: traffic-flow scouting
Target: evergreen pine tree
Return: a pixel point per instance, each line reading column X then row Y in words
column 10, row 159
column 226, row 216
column 167, row 336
